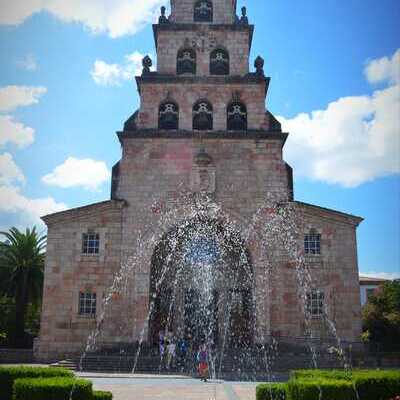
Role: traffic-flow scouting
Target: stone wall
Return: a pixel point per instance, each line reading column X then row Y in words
column 68, row 271
column 334, row 271
column 219, row 95
column 204, row 39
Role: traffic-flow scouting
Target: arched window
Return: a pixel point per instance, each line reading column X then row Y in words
column 186, row 62
column 168, row 116
column 203, row 11
column 219, row 62
column 237, row 117
column 202, row 116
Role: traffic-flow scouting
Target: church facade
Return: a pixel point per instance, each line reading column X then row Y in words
column 202, row 128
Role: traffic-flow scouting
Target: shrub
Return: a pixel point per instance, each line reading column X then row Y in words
column 377, row 385
column 99, row 395
column 52, row 389
column 9, row 374
column 331, row 389
column 271, row 391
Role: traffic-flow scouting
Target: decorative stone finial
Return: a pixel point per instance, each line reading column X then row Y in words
column 202, row 158
column 147, row 63
column 243, row 19
column 259, row 66
column 163, row 19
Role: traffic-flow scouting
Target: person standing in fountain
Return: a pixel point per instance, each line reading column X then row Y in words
column 202, row 359
column 161, row 340
column 171, row 348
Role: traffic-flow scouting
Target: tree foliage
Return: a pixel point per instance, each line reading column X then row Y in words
column 381, row 316
column 21, row 274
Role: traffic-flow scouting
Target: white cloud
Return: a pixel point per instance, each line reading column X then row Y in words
column 14, row 132
column 352, row 141
column 116, row 17
column 9, row 171
column 28, row 63
column 28, row 210
column 381, row 275
column 114, row 74
column 12, row 97
column 384, row 69
column 86, row 173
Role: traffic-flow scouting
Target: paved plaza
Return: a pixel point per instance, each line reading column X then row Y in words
column 174, row 388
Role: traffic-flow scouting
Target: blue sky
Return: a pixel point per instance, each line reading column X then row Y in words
column 66, row 86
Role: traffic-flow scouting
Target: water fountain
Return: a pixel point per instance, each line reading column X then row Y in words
column 202, row 286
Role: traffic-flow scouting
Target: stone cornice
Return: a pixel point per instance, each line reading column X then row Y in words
column 206, row 135
column 83, row 212
column 162, row 79
column 331, row 214
column 195, row 27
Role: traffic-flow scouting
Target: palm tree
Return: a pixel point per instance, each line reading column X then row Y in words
column 21, row 272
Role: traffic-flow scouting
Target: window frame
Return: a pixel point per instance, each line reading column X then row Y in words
column 315, row 304
column 87, row 304
column 90, row 243
column 312, row 243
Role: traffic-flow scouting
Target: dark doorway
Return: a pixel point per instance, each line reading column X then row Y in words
column 201, row 320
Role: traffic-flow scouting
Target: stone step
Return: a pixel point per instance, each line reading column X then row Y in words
column 67, row 364
column 229, row 364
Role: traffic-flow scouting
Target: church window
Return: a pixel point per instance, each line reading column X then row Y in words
column 237, row 117
column 168, row 116
column 316, row 303
column 87, row 303
column 186, row 62
column 370, row 293
column 312, row 243
column 90, row 243
column 203, row 11
column 219, row 62
column 202, row 116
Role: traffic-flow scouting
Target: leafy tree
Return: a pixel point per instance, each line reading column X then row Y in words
column 381, row 316
column 21, row 273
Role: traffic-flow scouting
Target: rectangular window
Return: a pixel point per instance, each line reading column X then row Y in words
column 312, row 243
column 316, row 303
column 370, row 293
column 90, row 243
column 87, row 304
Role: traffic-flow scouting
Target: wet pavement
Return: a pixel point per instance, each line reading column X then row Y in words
column 176, row 388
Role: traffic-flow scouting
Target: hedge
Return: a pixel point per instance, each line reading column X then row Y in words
column 9, row 374
column 336, row 374
column 272, row 391
column 331, row 389
column 377, row 385
column 337, row 385
column 52, row 389
column 99, row 395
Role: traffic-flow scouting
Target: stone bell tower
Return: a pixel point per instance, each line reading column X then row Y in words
column 201, row 126
column 203, row 92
